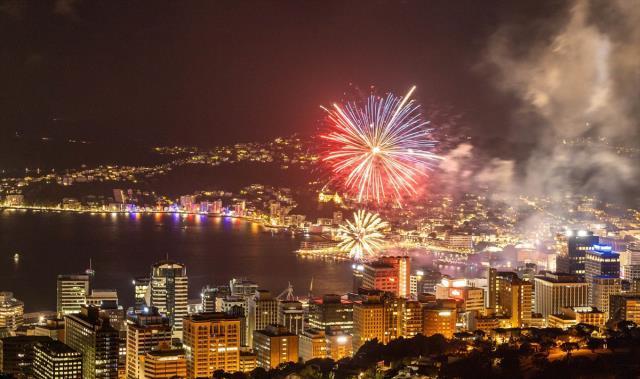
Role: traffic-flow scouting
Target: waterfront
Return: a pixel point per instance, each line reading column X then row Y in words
column 124, row 246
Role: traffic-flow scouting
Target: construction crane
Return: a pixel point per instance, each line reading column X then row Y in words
column 287, row 294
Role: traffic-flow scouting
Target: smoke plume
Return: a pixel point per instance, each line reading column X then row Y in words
column 579, row 90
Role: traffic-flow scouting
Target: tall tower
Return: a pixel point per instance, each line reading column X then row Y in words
column 169, row 292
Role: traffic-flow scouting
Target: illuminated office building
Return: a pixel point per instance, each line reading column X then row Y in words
column 389, row 274
column 571, row 316
column 331, row 312
column 17, row 354
column 312, row 344
column 55, row 360
column 600, row 261
column 411, row 319
column 248, row 361
column 72, row 291
column 142, row 291
column 440, row 318
column 163, row 362
column 339, row 344
column 572, row 260
column 169, row 292
column 557, row 290
column 11, row 311
column 92, row 335
column 146, row 330
column 263, row 311
column 211, row 342
column 369, row 320
column 513, row 298
column 602, row 288
column 630, row 262
column 275, row 345
column 625, row 307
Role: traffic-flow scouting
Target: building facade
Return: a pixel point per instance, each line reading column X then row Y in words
column 211, row 342
column 92, row 335
column 55, row 360
column 169, row 292
column 275, row 345
column 72, row 292
column 557, row 290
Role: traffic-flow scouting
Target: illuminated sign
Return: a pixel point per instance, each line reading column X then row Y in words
column 444, row 313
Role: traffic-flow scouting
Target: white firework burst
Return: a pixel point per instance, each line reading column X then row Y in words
column 362, row 237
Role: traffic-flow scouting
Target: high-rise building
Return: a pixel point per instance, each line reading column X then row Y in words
column 142, row 291
column 602, row 288
column 331, row 312
column 557, row 290
column 92, row 335
column 440, row 318
column 169, row 292
column 11, row 311
column 17, row 354
column 630, row 262
column 263, row 311
column 513, row 298
column 578, row 242
column 411, row 319
column 208, row 296
column 389, row 274
column 291, row 315
column 72, row 293
column 211, row 342
column 163, row 362
column 55, row 360
column 600, row 261
column 146, row 329
column 275, row 345
column 368, row 321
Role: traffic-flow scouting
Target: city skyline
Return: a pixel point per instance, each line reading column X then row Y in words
column 302, row 189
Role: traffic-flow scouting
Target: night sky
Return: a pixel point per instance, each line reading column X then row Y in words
column 210, row 72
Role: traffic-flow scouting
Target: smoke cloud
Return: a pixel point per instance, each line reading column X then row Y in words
column 579, row 89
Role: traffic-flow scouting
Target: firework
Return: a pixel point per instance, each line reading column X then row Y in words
column 363, row 236
column 380, row 150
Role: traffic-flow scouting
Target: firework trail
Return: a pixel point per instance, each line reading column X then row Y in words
column 362, row 237
column 380, row 150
